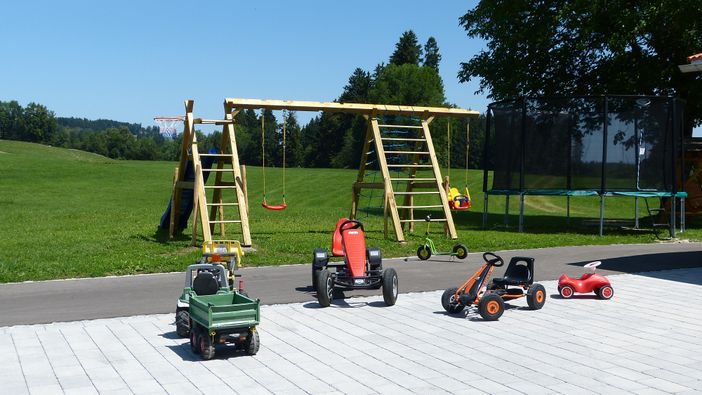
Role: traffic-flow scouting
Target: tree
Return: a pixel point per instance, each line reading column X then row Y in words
column 11, row 120
column 39, row 124
column 432, row 57
column 558, row 47
column 407, row 50
column 408, row 84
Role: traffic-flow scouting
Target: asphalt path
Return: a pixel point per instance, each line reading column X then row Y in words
column 106, row 297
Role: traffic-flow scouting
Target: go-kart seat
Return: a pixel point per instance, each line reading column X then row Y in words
column 337, row 247
column 519, row 271
column 205, row 284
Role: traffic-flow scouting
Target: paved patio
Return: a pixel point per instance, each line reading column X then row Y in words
column 647, row 339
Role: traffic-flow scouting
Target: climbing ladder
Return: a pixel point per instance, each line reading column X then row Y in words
column 220, row 203
column 423, row 175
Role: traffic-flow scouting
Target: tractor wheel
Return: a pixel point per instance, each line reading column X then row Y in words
column 448, row 300
column 207, row 350
column 566, row 291
column 183, row 323
column 491, row 306
column 325, row 288
column 460, row 250
column 194, row 341
column 536, row 296
column 605, row 292
column 423, row 253
column 252, row 343
column 390, row 286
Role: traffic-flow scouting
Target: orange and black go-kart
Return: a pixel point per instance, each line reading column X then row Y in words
column 361, row 268
column 489, row 297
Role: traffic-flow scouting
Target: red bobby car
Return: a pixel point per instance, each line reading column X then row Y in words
column 589, row 282
column 362, row 268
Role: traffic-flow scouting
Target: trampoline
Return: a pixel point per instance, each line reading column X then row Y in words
column 606, row 146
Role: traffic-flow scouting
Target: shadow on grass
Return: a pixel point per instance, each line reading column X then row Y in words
column 161, row 236
column 656, row 265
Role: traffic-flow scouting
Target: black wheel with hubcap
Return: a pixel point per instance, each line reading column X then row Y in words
column 491, row 306
column 460, row 251
column 423, row 252
column 536, row 296
column 325, row 288
column 183, row 323
column 450, row 303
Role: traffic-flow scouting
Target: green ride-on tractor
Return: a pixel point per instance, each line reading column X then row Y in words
column 427, row 249
column 212, row 312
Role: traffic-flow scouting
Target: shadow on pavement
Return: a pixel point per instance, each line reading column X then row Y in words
column 654, row 265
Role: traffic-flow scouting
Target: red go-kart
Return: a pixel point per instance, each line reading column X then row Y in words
column 589, row 282
column 362, row 267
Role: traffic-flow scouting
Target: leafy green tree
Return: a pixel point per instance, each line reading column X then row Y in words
column 39, row 123
column 559, row 47
column 11, row 120
column 407, row 50
column 294, row 149
column 408, row 84
column 432, row 57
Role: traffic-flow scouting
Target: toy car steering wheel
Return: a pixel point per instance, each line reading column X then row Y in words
column 593, row 265
column 495, row 260
column 353, row 225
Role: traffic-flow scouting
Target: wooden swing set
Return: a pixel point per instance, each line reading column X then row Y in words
column 422, row 172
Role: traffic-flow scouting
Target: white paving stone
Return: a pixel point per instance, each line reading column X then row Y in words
column 638, row 342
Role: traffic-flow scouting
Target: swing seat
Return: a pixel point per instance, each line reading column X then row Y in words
column 458, row 201
column 274, row 207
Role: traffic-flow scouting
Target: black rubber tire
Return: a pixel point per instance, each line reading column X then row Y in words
column 423, row 252
column 491, row 306
column 390, row 286
column 325, row 288
column 536, row 296
column 194, row 341
column 252, row 343
column 315, row 274
column 566, row 291
column 449, row 302
column 207, row 349
column 460, row 250
column 603, row 294
column 183, row 323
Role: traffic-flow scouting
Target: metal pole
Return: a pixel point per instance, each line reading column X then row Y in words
column 636, row 212
column 485, row 209
column 601, row 214
column 568, row 210
column 507, row 210
column 521, row 212
column 682, row 215
column 672, row 216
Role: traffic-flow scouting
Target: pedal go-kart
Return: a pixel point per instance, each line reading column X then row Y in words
column 588, row 282
column 361, row 268
column 214, row 257
column 489, row 297
column 427, row 249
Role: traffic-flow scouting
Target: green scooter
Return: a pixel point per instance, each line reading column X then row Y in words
column 427, row 249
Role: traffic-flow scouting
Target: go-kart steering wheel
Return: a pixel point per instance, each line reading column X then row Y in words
column 492, row 259
column 353, row 225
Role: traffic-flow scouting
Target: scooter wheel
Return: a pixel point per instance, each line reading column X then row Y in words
column 605, row 292
column 491, row 306
column 449, row 302
column 423, row 253
column 566, row 291
column 460, row 250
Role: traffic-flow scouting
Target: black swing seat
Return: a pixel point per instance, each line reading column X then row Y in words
column 519, row 271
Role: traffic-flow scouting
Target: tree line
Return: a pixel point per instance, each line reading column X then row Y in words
column 411, row 77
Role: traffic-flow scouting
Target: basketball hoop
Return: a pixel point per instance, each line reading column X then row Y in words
column 167, row 125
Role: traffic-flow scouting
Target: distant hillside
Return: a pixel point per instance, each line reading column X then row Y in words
column 102, row 124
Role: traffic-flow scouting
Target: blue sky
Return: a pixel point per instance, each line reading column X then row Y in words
column 133, row 60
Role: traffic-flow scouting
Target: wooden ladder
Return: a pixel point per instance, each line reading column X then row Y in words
column 421, row 156
column 222, row 202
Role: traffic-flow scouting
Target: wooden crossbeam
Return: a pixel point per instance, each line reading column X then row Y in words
column 355, row 108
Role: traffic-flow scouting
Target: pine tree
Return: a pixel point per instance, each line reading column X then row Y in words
column 432, row 57
column 407, row 50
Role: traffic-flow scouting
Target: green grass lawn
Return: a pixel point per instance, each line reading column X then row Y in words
column 67, row 213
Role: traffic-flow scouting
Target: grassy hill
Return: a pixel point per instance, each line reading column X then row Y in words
column 67, row 213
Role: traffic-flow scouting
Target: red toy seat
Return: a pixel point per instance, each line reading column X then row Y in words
column 354, row 242
column 337, row 248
